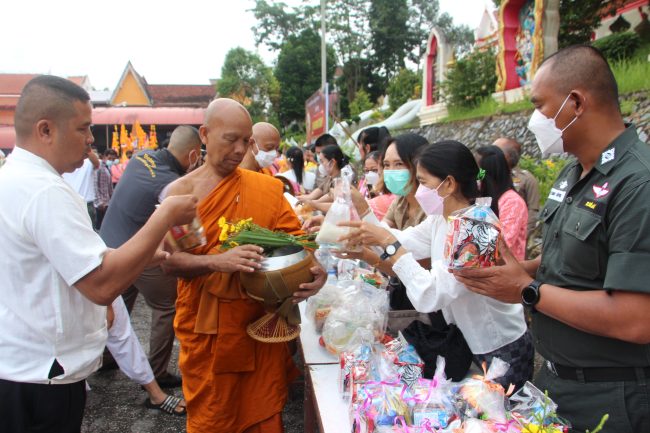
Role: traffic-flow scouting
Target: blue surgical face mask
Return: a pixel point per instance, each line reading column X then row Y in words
column 397, row 181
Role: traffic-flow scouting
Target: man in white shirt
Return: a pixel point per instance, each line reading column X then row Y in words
column 57, row 272
column 81, row 180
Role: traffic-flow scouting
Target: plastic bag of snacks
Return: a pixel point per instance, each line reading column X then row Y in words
column 406, row 359
column 433, row 404
column 472, row 237
column 482, row 397
column 359, row 317
column 355, row 369
column 532, row 409
column 342, row 209
column 319, row 306
column 380, row 406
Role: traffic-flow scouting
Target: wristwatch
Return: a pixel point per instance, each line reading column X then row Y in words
column 390, row 250
column 530, row 294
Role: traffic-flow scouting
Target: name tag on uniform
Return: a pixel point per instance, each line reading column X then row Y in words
column 556, row 194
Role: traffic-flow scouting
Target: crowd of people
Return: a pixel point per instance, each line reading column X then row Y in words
column 83, row 234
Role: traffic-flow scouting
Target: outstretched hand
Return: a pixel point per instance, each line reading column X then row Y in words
column 244, row 258
column 366, row 234
column 503, row 282
column 310, row 289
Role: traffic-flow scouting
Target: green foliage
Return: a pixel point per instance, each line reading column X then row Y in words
column 579, row 18
column 545, row 171
column 276, row 22
column 360, row 103
column 402, row 88
column 298, row 74
column 632, row 75
column 618, row 46
column 390, row 36
column 245, row 78
column 487, row 107
column 470, row 80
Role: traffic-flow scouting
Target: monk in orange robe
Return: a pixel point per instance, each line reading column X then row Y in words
column 231, row 383
column 262, row 154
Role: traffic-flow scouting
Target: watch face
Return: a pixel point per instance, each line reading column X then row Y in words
column 529, row 295
column 390, row 249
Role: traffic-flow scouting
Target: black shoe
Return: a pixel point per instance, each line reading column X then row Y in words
column 169, row 381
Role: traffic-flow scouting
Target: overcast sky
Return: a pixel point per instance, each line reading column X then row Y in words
column 169, row 42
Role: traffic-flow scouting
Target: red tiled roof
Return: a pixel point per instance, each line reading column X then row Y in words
column 181, row 94
column 12, row 84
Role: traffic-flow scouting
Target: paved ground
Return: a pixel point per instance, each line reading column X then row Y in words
column 115, row 404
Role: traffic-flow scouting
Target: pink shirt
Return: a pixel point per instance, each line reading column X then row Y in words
column 380, row 204
column 513, row 214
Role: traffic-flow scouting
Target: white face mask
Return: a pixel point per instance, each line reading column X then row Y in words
column 548, row 135
column 372, row 177
column 265, row 159
column 323, row 170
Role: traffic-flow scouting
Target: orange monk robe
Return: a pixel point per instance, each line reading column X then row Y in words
column 231, row 382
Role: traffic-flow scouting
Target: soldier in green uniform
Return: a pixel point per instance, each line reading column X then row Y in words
column 590, row 291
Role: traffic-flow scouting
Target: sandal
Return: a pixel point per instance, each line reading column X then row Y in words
column 169, row 405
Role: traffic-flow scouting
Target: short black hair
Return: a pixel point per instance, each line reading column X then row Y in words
column 497, row 178
column 46, row 97
column 325, row 140
column 452, row 158
column 583, row 66
column 375, row 137
column 334, row 152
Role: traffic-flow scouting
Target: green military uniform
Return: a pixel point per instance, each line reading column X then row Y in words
column 597, row 237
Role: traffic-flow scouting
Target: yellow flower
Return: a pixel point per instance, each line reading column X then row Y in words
column 221, row 222
column 223, row 235
column 234, row 244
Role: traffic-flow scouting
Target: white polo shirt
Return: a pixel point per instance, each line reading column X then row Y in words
column 48, row 244
column 82, row 181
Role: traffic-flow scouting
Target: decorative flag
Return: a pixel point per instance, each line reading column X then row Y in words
column 153, row 138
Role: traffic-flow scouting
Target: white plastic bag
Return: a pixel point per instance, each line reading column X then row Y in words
column 342, row 209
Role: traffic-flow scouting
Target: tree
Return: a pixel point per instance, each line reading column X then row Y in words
column 360, row 103
column 579, row 18
column 276, row 22
column 470, row 80
column 245, row 78
column 391, row 40
column 298, row 73
column 403, row 87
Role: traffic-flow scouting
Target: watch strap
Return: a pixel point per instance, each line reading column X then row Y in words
column 397, row 245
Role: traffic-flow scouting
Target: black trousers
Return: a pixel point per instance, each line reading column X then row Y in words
column 37, row 408
column 584, row 403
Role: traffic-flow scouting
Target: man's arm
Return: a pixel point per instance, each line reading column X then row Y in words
column 245, row 258
column 120, row 267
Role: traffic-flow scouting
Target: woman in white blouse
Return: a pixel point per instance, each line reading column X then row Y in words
column 447, row 173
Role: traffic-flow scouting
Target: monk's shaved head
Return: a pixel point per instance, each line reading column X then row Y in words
column 266, row 136
column 226, row 133
column 582, row 67
column 184, row 139
column 223, row 107
column 46, row 97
